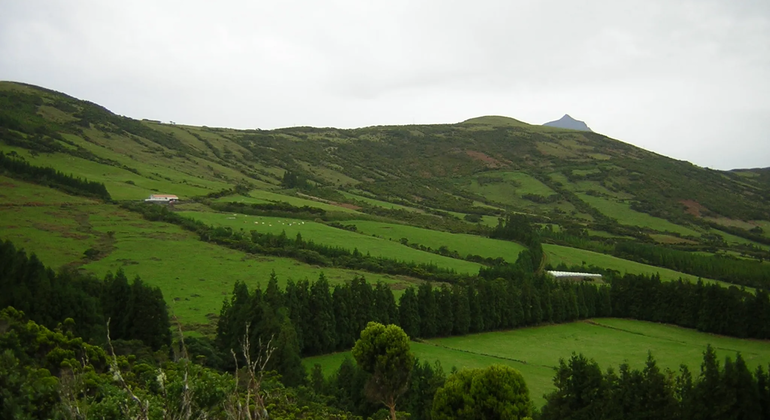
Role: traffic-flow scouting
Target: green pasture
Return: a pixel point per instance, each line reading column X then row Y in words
column 737, row 240
column 509, row 191
column 557, row 254
column 327, row 235
column 14, row 192
column 536, row 351
column 462, row 243
column 626, row 216
column 121, row 183
column 378, row 203
column 264, row 196
column 194, row 276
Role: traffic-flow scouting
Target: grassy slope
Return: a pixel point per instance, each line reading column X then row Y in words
column 264, row 196
column 536, row 351
column 194, row 276
column 572, row 256
column 626, row 216
column 117, row 179
column 327, row 235
column 462, row 243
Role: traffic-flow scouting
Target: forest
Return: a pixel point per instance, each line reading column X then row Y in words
column 308, row 318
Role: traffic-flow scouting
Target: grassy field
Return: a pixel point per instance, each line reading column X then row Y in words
column 509, row 191
column 263, row 196
column 626, row 216
column 121, row 183
column 378, row 203
column 194, row 276
column 327, row 235
column 462, row 243
column 536, row 351
column 572, row 256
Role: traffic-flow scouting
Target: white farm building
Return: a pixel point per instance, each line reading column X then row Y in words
column 162, row 198
column 572, row 275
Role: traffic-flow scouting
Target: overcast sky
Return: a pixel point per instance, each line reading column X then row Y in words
column 687, row 79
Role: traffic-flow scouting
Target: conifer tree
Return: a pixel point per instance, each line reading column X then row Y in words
column 409, row 316
column 426, row 307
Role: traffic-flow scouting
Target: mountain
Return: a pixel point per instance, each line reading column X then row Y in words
column 485, row 167
column 569, row 123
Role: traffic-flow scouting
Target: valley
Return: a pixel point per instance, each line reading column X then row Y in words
column 460, row 221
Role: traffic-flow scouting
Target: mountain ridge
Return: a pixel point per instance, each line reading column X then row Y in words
column 459, row 167
column 569, row 123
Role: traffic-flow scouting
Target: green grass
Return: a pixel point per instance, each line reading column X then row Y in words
column 263, row 196
column 462, row 243
column 626, row 216
column 378, row 203
column 194, row 276
column 536, row 351
column 514, row 185
column 117, row 179
column 327, row 235
column 733, row 240
column 572, row 256
column 20, row 193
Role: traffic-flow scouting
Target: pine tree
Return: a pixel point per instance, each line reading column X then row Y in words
column 287, row 359
column 115, row 304
column 322, row 337
column 409, row 316
column 426, row 307
column 461, row 310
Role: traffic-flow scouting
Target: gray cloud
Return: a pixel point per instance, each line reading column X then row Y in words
column 686, row 79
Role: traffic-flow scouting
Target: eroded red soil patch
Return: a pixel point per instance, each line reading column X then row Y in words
column 488, row 160
column 693, row 207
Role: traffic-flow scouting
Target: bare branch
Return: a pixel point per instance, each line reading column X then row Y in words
column 144, row 407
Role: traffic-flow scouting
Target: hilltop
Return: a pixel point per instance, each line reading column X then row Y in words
column 569, row 123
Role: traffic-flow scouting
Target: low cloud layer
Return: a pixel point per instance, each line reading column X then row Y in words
column 686, row 79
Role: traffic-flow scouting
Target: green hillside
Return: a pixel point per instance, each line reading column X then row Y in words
column 305, row 235
column 422, row 193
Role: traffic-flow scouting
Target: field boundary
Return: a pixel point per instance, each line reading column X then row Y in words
column 510, row 359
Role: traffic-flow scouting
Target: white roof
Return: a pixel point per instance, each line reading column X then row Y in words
column 573, row 274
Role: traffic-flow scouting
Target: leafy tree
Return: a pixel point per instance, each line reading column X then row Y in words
column 496, row 392
column 383, row 352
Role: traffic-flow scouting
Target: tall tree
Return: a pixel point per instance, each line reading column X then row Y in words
column 383, row 352
column 409, row 315
column 426, row 305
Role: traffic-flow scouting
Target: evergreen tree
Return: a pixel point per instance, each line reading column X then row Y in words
column 115, row 304
column 581, row 392
column 444, row 306
column 474, row 310
column 343, row 317
column 320, row 338
column 287, row 356
column 409, row 316
column 461, row 310
column 426, row 306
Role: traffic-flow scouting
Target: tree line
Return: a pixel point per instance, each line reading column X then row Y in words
column 136, row 310
column 328, row 319
column 706, row 307
column 728, row 391
column 50, row 177
column 731, row 270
